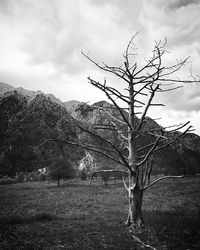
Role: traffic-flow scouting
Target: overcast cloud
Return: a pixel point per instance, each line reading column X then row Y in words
column 41, row 43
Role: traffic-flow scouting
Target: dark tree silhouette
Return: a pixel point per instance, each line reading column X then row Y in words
column 61, row 168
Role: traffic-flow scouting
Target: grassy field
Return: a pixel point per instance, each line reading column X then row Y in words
column 40, row 215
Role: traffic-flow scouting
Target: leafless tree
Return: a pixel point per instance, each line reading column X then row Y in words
column 142, row 84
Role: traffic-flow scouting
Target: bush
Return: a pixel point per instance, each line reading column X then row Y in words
column 42, row 177
column 83, row 175
column 33, row 176
column 20, row 177
column 6, row 180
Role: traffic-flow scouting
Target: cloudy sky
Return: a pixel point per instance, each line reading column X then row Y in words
column 41, row 44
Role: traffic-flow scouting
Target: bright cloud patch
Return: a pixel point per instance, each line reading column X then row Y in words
column 41, row 43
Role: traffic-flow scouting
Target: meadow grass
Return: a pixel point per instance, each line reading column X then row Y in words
column 40, row 215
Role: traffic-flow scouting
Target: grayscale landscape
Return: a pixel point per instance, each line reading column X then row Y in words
column 99, row 124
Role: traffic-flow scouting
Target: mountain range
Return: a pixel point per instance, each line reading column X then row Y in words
column 28, row 118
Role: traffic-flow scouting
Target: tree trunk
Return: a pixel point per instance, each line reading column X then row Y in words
column 135, row 217
column 137, row 207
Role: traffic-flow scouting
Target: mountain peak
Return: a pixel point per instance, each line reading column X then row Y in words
column 4, row 88
column 29, row 94
column 102, row 104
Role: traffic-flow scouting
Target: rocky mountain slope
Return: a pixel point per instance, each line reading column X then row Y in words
column 28, row 118
column 25, row 124
column 30, row 94
column 184, row 156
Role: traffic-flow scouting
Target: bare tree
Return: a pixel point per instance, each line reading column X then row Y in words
column 141, row 86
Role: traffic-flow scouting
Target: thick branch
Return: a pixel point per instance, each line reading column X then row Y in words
column 85, row 147
column 125, row 186
column 162, row 178
column 150, row 151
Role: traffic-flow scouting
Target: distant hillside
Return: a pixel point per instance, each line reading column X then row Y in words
column 28, row 118
column 25, row 124
column 30, row 94
column 71, row 106
column 184, row 156
column 4, row 88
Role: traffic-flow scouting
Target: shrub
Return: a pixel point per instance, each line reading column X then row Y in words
column 42, row 177
column 6, row 180
column 83, row 175
column 20, row 177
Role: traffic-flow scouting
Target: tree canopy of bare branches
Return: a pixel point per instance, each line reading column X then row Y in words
column 141, row 85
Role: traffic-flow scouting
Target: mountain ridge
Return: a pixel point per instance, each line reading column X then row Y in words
column 46, row 118
column 6, row 88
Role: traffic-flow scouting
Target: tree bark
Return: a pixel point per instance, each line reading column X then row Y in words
column 137, row 207
column 135, row 217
